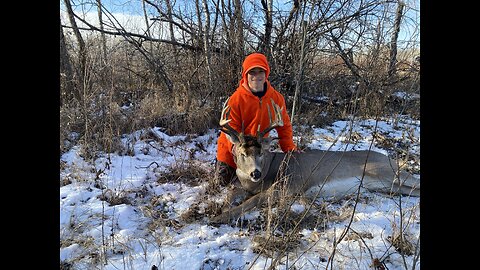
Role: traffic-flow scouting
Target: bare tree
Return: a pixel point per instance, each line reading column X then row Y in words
column 285, row 25
column 199, row 29
column 300, row 70
column 238, row 25
column 82, row 53
column 266, row 41
column 394, row 38
column 66, row 71
column 207, row 50
column 170, row 20
column 102, row 33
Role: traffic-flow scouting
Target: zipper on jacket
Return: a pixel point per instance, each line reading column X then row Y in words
column 261, row 116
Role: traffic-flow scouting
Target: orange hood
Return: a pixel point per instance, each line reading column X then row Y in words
column 252, row 61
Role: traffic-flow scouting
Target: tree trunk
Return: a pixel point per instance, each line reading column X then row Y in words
column 240, row 53
column 66, row 70
column 207, row 51
column 299, row 80
column 147, row 24
column 102, row 33
column 170, row 26
column 265, row 43
column 199, row 24
column 82, row 50
column 226, row 28
column 393, row 42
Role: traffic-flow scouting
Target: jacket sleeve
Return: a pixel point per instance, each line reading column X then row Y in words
column 285, row 133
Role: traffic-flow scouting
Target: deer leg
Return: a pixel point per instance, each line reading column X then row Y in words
column 254, row 201
column 236, row 195
column 407, row 185
column 385, row 181
column 237, row 211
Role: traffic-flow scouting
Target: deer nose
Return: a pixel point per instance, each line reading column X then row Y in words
column 256, row 174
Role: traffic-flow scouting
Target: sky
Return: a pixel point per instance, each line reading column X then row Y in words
column 147, row 195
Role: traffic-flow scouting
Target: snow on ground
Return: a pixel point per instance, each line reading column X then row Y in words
column 127, row 211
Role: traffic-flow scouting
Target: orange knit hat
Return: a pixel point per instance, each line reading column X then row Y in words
column 255, row 60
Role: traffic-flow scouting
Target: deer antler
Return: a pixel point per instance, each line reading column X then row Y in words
column 226, row 127
column 273, row 124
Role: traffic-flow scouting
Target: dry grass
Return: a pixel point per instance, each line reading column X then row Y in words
column 189, row 173
column 197, row 213
column 358, row 236
column 402, row 243
column 114, row 198
column 271, row 245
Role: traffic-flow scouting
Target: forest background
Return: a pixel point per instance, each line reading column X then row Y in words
column 172, row 64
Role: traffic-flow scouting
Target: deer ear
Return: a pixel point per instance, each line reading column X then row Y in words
column 266, row 141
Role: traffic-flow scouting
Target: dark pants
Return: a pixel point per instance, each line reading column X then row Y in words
column 224, row 174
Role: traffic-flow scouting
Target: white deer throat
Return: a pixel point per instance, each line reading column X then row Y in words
column 243, row 176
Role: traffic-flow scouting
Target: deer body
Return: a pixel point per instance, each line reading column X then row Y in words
column 313, row 172
column 314, row 168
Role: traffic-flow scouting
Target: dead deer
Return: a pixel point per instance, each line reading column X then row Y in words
column 312, row 172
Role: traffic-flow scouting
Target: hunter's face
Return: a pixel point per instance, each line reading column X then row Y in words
column 256, row 79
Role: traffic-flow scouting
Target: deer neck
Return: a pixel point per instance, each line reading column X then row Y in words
column 271, row 167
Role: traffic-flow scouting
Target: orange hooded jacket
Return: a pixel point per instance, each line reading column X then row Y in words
column 251, row 110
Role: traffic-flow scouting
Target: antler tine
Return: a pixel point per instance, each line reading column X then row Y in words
column 224, row 123
column 223, row 119
column 273, row 124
